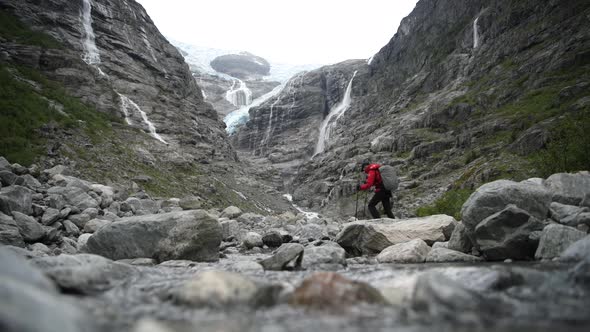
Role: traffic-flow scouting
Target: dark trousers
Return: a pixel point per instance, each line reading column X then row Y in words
column 383, row 197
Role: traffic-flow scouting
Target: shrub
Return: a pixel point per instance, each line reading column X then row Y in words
column 450, row 204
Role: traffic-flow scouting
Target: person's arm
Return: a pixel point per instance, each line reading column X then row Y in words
column 370, row 181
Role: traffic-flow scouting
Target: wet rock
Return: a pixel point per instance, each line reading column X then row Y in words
column 231, row 212
column 508, row 234
column 84, row 273
column 414, row 251
column 50, row 216
column 441, row 255
column 362, row 237
column 324, row 257
column 460, row 240
column 216, row 289
column 29, row 228
column 273, row 239
column 252, row 239
column 331, row 291
column 9, row 232
column 491, row 198
column 287, row 257
column 578, row 251
column 569, row 188
column 555, row 239
column 16, row 199
column 438, row 297
column 192, row 234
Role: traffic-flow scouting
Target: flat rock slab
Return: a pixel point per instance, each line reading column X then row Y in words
column 192, row 235
column 414, row 251
column 443, row 255
column 371, row 237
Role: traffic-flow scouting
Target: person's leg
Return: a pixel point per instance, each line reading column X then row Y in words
column 372, row 206
column 387, row 205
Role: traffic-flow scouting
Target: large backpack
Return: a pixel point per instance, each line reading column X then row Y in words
column 389, row 177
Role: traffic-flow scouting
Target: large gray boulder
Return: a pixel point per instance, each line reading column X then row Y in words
column 578, row 251
column 555, row 239
column 16, row 199
column 84, row 273
column 9, row 232
column 414, row 251
column 327, row 255
column 28, row 227
column 569, row 214
column 569, row 188
column 508, row 234
column 74, row 196
column 460, row 240
column 530, row 196
column 191, row 235
column 371, row 237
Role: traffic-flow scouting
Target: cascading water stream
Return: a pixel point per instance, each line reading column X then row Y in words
column 475, row 33
column 235, row 118
column 127, row 103
column 242, row 96
column 335, row 113
column 91, row 55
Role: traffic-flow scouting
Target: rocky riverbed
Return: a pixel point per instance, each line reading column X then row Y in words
column 81, row 256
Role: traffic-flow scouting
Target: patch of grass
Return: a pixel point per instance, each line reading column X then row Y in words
column 28, row 102
column 450, row 204
column 14, row 30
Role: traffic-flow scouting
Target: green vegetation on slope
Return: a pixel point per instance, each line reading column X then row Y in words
column 450, row 204
column 29, row 102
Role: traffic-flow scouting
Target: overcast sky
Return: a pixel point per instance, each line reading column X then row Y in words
column 291, row 31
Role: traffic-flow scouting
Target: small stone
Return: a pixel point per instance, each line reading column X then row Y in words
column 71, row 228
column 272, row 239
column 50, row 216
column 288, row 257
column 231, row 212
column 508, row 260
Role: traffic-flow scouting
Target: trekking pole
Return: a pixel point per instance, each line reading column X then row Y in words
column 365, row 204
column 356, row 206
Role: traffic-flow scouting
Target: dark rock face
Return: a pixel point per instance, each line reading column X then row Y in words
column 193, row 235
column 133, row 65
column 243, row 66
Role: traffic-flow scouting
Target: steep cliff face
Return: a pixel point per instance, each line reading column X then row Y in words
column 115, row 59
column 464, row 93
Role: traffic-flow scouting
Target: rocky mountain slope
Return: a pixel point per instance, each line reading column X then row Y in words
column 105, row 93
column 463, row 94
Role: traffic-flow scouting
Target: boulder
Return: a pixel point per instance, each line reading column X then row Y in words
column 7, row 178
column 273, row 238
column 508, row 234
column 29, row 228
column 95, row 224
column 287, row 257
column 70, row 228
column 230, row 229
column 312, row 232
column 50, row 216
column 568, row 214
column 193, row 235
column 460, row 240
column 324, row 256
column 82, row 240
column 74, row 196
column 414, row 251
column 331, row 291
column 30, row 182
column 9, row 232
column 231, row 212
column 555, row 239
column 443, row 255
column 16, row 198
column 4, row 164
column 440, row 245
column 362, row 237
column 578, row 251
column 17, row 268
column 569, row 188
column 252, row 239
column 80, row 220
column 84, row 273
column 190, row 203
column 216, row 289
column 530, row 196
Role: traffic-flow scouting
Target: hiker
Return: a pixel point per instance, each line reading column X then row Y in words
column 381, row 195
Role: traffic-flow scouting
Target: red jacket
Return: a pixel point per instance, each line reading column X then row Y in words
column 373, row 178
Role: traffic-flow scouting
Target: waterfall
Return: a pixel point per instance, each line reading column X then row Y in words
column 269, row 129
column 336, row 111
column 240, row 116
column 475, row 33
column 241, row 96
column 126, row 104
column 91, row 55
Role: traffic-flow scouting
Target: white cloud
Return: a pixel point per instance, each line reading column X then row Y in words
column 298, row 32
